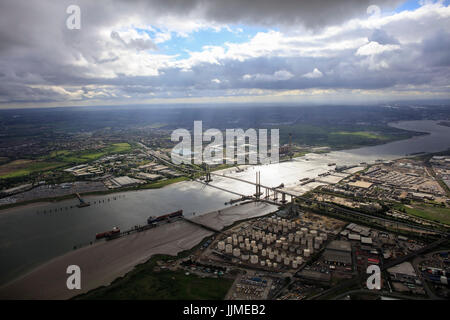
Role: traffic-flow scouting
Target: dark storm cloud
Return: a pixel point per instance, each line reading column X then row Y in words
column 382, row 37
column 436, row 49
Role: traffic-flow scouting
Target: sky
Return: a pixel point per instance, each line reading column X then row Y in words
column 223, row 51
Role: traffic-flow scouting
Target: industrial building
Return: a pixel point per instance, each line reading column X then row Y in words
column 338, row 252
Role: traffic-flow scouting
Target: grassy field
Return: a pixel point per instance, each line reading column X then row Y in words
column 362, row 134
column 75, row 157
column 338, row 137
column 163, row 183
column 145, row 283
column 19, row 168
column 429, row 212
column 56, row 159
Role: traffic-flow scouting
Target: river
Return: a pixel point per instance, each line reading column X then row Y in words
column 29, row 238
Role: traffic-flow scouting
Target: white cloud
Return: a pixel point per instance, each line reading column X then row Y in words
column 374, row 48
column 279, row 75
column 316, row 73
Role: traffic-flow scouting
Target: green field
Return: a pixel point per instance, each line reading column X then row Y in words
column 362, row 134
column 20, row 168
column 163, row 183
column 429, row 212
column 89, row 155
column 338, row 137
column 57, row 159
column 145, row 283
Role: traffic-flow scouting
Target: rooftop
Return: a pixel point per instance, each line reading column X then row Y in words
column 340, row 245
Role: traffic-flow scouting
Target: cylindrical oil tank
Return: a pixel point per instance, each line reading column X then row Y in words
column 306, row 253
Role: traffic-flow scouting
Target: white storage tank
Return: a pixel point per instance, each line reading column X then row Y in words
column 228, row 248
column 306, row 253
column 229, row 240
column 286, row 261
column 254, row 259
column 236, row 252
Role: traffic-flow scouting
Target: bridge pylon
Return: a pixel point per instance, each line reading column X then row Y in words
column 208, row 174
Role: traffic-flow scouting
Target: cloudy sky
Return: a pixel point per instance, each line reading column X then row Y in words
column 204, row 51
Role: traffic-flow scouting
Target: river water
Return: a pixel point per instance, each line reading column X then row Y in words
column 28, row 237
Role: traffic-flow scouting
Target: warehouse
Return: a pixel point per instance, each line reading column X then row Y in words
column 338, row 252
